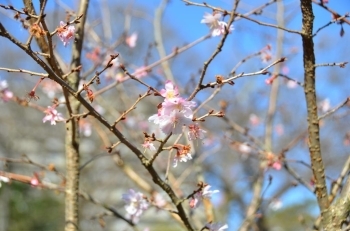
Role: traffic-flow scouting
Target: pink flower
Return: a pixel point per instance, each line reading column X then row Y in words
column 52, row 115
column 35, row 181
column 178, row 104
column 5, row 93
column 183, row 153
column 175, row 112
column 212, row 21
column 194, row 132
column 274, row 161
column 277, row 165
column 220, row 30
column 171, row 91
column 174, row 122
column 65, row 33
column 217, row 27
column 149, row 145
column 158, row 200
column 216, row 226
column 136, row 204
column 131, row 40
column 199, row 196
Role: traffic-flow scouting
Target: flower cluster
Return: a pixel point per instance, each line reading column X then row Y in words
column 217, row 27
column 65, row 33
column 52, row 115
column 176, row 112
column 200, row 195
column 136, row 204
column 182, row 153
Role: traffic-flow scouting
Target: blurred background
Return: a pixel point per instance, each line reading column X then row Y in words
column 262, row 120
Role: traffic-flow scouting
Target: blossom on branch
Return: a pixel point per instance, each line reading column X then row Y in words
column 182, row 153
column 65, row 33
column 195, row 132
column 175, row 111
column 199, row 196
column 136, row 204
column 52, row 115
column 211, row 20
column 170, row 92
column 216, row 27
column 149, row 145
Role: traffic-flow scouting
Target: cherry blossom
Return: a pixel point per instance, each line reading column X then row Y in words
column 149, row 145
column 171, row 123
column 175, row 111
column 274, row 161
column 171, row 91
column 136, row 204
column 220, row 30
column 65, row 33
column 194, row 132
column 183, row 153
column 131, row 40
column 158, row 200
column 52, row 115
column 5, row 93
column 216, row 226
column 35, row 180
column 212, row 21
column 216, row 27
column 199, row 196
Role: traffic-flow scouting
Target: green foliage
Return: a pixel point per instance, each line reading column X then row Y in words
column 34, row 210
